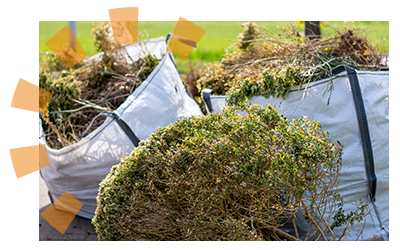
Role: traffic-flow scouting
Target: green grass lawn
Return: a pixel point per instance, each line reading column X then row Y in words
column 218, row 36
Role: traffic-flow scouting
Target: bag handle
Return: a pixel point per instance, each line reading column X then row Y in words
column 363, row 127
column 121, row 123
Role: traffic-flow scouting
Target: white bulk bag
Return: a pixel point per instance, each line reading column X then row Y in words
column 336, row 112
column 160, row 100
column 154, row 46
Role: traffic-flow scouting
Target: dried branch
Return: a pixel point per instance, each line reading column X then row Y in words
column 263, row 64
column 312, row 219
column 279, row 232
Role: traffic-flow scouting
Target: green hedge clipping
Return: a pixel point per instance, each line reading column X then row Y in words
column 238, row 175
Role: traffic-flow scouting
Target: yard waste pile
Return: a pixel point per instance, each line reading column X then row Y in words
column 263, row 64
column 100, row 83
column 102, row 108
column 242, row 174
column 341, row 82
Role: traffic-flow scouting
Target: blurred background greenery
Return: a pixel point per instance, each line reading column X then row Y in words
column 219, row 35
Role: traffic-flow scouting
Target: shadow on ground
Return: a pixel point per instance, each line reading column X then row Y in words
column 80, row 229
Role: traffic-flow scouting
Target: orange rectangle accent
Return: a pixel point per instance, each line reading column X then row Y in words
column 66, row 46
column 62, row 211
column 25, row 160
column 124, row 32
column 44, row 160
column 185, row 37
column 44, row 99
column 26, row 96
column 124, row 23
column 179, row 49
column 183, row 40
column 124, row 14
column 181, row 18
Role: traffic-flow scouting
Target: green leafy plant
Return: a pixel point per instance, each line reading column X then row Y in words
column 51, row 62
column 89, row 88
column 223, row 177
column 265, row 64
column 249, row 34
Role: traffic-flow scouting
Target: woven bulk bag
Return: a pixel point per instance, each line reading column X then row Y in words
column 353, row 107
column 160, row 100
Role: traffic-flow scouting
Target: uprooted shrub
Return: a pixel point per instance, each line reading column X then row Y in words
column 224, row 177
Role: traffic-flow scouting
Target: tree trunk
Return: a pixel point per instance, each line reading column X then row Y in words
column 313, row 30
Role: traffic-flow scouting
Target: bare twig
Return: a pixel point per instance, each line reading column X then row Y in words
column 278, row 232
column 311, row 217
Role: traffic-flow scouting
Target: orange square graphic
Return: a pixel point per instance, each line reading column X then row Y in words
column 185, row 37
column 66, row 46
column 27, row 160
column 62, row 211
column 30, row 97
column 124, row 32
column 179, row 49
column 44, row 160
column 24, row 160
column 44, row 100
column 124, row 14
column 124, row 23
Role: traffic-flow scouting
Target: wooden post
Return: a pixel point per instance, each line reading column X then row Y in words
column 313, row 31
column 72, row 36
